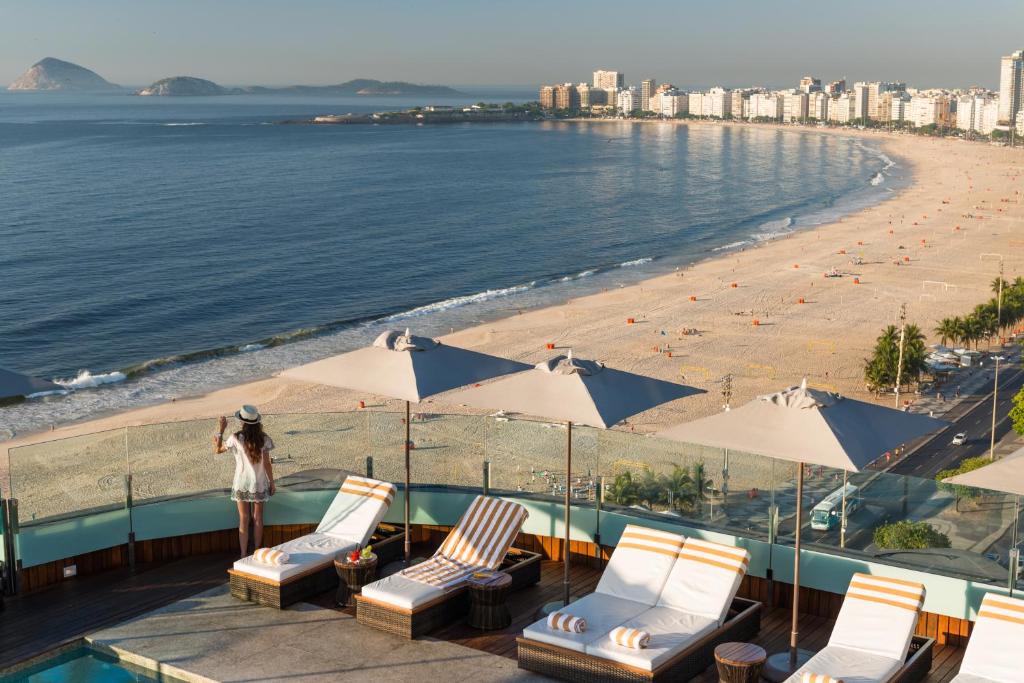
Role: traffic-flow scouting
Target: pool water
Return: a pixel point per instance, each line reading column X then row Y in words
column 83, row 665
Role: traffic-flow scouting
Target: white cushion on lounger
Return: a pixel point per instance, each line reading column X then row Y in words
column 671, row 632
column 849, row 665
column 705, row 578
column 399, row 591
column 993, row 653
column 640, row 564
column 357, row 509
column 307, row 552
column 602, row 613
column 878, row 616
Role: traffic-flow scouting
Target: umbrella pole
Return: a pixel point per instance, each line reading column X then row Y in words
column 795, row 632
column 408, row 542
column 568, row 488
column 1014, row 552
column 782, row 665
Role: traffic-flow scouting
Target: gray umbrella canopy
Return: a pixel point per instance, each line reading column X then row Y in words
column 572, row 390
column 405, row 367
column 810, row 426
column 14, row 384
column 1005, row 475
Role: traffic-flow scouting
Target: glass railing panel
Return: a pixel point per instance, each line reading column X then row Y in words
column 69, row 477
column 527, row 456
column 176, row 460
column 447, row 449
column 385, row 434
column 318, row 450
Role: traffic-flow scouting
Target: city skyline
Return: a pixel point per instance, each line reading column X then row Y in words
column 244, row 43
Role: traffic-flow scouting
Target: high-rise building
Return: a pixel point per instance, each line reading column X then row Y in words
column 695, row 104
column 547, row 97
column 609, row 79
column 671, row 103
column 860, row 103
column 817, row 106
column 611, row 97
column 1011, row 86
column 929, row 109
column 766, row 106
column 736, row 103
column 809, row 84
column 583, row 95
column 836, row 87
column 794, row 107
column 567, row 97
column 843, row 107
column 718, row 102
column 646, row 91
column 629, row 100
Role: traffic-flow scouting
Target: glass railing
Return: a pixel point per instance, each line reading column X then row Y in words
column 893, row 519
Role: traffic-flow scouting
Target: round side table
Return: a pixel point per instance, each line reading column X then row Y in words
column 739, row 662
column 487, row 608
column 352, row 576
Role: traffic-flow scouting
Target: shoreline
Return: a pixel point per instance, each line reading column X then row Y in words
column 278, row 395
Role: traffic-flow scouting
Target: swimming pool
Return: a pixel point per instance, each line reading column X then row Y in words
column 84, row 665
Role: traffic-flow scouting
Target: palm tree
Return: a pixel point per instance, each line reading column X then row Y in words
column 624, row 491
column 681, row 489
column 996, row 282
column 947, row 329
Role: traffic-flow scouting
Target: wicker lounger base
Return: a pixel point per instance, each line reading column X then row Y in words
column 742, row 624
column 522, row 565
column 387, row 543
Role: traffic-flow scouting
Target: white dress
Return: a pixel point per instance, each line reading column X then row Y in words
column 251, row 483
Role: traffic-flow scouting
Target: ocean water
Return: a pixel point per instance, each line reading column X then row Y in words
column 158, row 248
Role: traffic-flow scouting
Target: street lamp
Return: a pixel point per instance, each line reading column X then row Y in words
column 995, row 401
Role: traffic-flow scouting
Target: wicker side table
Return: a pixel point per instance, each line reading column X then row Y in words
column 487, row 608
column 739, row 662
column 352, row 576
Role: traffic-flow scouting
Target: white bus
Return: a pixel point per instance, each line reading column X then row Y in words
column 825, row 515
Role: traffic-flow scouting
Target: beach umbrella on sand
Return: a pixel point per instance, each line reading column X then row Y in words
column 409, row 368
column 574, row 391
column 14, row 385
column 1005, row 475
column 806, row 426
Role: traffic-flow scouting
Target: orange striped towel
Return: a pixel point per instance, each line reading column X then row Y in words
column 370, row 488
column 274, row 558
column 630, row 637
column 478, row 542
column 883, row 590
column 809, row 677
column 560, row 621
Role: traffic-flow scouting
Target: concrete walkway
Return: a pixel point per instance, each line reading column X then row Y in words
column 214, row 637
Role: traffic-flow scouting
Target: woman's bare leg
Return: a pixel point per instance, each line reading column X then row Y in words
column 257, row 524
column 243, row 527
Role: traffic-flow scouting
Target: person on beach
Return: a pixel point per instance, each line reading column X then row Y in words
column 254, row 474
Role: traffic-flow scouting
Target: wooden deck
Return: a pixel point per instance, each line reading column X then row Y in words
column 35, row 623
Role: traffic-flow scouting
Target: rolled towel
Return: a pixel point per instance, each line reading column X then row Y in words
column 809, row 677
column 274, row 558
column 630, row 637
column 560, row 621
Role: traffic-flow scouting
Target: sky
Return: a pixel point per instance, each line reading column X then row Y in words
column 526, row 42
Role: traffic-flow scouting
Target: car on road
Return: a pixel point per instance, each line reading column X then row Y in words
column 960, row 439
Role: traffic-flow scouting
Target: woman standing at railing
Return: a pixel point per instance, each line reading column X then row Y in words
column 254, row 475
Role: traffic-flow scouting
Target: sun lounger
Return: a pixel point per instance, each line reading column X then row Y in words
column 431, row 594
column 873, row 638
column 352, row 520
column 992, row 654
column 679, row 591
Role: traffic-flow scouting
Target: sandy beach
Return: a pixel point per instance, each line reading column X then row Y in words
column 766, row 314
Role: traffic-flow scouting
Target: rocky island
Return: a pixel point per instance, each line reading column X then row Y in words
column 185, row 86
column 52, row 74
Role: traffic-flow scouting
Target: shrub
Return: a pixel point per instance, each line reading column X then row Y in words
column 909, row 536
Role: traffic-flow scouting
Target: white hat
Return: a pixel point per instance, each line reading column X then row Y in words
column 248, row 414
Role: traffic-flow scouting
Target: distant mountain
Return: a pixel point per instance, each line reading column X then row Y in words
column 185, row 86
column 360, row 86
column 56, row 74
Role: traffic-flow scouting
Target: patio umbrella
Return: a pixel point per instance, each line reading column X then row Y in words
column 16, row 385
column 409, row 368
column 806, row 426
column 1007, row 476
column 574, row 391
